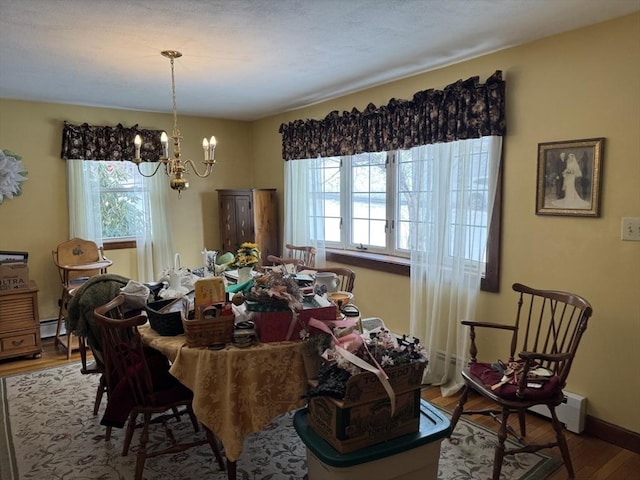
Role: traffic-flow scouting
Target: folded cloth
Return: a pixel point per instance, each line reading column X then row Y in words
column 136, row 294
column 240, row 287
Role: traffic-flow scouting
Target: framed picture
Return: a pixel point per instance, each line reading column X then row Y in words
column 569, row 174
column 13, row 257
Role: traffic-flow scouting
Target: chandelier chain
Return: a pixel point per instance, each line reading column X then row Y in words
column 173, row 94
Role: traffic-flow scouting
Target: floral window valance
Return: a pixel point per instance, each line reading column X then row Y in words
column 91, row 142
column 465, row 109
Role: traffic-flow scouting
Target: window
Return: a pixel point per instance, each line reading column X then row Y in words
column 369, row 201
column 108, row 202
column 122, row 199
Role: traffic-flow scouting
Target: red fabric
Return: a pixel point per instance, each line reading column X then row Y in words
column 166, row 387
column 490, row 377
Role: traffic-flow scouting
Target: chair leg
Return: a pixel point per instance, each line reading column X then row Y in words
column 522, row 419
column 500, row 449
column 101, row 389
column 61, row 310
column 141, row 457
column 192, row 416
column 562, row 441
column 131, row 426
column 107, row 434
column 214, row 447
column 62, row 313
column 459, row 408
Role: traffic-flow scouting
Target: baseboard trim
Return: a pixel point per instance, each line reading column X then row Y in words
column 613, row 434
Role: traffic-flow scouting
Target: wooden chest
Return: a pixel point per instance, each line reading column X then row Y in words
column 20, row 322
column 363, row 417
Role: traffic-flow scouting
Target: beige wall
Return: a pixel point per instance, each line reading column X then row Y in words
column 38, row 220
column 582, row 84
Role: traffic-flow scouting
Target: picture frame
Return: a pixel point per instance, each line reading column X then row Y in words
column 13, row 257
column 569, row 177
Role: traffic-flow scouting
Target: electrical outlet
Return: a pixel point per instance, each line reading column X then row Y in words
column 631, row 229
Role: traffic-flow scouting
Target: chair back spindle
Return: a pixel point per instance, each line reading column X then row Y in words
column 550, row 323
column 306, row 254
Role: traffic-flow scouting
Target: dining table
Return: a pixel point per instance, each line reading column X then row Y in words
column 236, row 391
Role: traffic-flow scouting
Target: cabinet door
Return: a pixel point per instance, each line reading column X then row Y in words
column 236, row 219
column 228, row 222
column 244, row 220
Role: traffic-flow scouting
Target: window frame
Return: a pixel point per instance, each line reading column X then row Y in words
column 121, row 243
column 398, row 264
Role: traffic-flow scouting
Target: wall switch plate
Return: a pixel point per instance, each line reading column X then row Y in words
column 631, row 229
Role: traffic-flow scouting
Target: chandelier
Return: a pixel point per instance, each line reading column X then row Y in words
column 175, row 167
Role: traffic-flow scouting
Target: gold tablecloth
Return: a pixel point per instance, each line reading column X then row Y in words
column 236, row 391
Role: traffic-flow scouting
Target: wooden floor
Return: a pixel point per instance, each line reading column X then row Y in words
column 593, row 459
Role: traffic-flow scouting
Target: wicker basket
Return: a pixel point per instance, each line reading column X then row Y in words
column 166, row 323
column 212, row 328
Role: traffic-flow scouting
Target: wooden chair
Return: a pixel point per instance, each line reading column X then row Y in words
column 139, row 381
column 346, row 275
column 306, row 254
column 77, row 260
column 291, row 264
column 543, row 343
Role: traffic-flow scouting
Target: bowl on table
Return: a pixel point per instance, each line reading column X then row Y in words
column 340, row 297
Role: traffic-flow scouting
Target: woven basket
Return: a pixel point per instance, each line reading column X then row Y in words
column 167, row 324
column 209, row 330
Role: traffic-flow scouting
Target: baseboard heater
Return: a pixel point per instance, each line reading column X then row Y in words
column 48, row 328
column 571, row 412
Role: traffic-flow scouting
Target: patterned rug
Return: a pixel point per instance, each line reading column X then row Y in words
column 47, row 431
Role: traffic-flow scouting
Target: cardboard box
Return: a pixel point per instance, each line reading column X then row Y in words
column 350, row 428
column 280, row 326
column 14, row 276
column 208, row 291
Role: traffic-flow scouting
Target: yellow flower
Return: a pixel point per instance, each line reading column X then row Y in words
column 247, row 255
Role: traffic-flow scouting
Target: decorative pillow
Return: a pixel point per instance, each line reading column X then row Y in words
column 490, row 377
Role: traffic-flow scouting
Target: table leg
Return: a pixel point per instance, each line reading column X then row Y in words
column 231, row 470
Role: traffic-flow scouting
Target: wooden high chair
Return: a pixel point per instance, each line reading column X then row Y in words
column 77, row 260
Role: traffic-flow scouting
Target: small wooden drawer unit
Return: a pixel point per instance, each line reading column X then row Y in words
column 20, row 323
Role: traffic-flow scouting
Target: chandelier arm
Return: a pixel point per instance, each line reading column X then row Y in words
column 154, row 172
column 209, row 164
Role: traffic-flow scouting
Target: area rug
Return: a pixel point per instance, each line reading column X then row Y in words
column 47, row 431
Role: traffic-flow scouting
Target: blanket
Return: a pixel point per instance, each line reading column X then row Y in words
column 96, row 291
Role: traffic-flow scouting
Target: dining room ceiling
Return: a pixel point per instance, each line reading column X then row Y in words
column 248, row 59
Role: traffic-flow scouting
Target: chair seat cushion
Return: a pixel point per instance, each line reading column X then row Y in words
column 488, row 377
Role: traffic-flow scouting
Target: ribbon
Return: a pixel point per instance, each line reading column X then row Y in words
column 352, row 341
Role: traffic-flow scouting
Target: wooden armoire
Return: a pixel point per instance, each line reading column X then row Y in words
column 249, row 216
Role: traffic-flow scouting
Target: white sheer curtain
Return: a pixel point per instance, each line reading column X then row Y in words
column 154, row 240
column 448, row 248
column 301, row 181
column 83, row 198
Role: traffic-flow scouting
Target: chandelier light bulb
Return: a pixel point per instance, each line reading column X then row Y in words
column 138, row 143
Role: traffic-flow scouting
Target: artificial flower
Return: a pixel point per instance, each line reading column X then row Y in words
column 247, row 255
column 12, row 174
